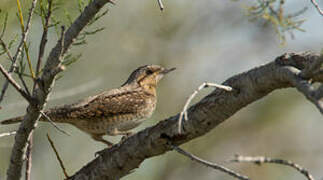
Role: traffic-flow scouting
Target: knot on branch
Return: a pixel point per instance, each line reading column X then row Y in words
column 299, row 60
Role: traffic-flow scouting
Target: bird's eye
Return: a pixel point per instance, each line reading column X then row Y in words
column 149, row 71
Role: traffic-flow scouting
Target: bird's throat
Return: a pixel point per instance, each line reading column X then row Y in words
column 150, row 89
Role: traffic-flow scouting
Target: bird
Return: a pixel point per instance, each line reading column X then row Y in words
column 111, row 112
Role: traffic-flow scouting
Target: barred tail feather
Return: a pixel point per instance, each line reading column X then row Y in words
column 12, row 120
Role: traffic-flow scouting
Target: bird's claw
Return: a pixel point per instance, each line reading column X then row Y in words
column 99, row 153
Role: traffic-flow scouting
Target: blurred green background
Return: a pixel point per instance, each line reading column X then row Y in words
column 205, row 41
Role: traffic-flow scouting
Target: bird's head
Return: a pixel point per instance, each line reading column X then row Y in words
column 148, row 75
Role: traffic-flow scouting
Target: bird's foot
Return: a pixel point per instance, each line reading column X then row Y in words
column 127, row 134
column 98, row 153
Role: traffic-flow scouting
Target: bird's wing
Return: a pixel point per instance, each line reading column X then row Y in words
column 102, row 105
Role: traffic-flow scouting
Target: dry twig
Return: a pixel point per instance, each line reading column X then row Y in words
column 316, row 5
column 160, row 4
column 57, row 156
column 209, row 164
column 261, row 159
column 5, row 48
column 43, row 40
column 24, row 84
column 53, row 123
column 190, row 98
column 15, row 85
column 7, row 134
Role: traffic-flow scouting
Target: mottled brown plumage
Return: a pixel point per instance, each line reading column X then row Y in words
column 112, row 112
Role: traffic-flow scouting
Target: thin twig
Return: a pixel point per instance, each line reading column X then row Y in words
column 160, row 4
column 29, row 158
column 21, row 74
column 3, row 44
column 15, row 84
column 4, row 26
column 190, row 98
column 57, row 156
column 19, row 48
column 261, row 159
column 53, row 123
column 23, row 30
column 7, row 134
column 24, row 83
column 61, row 41
column 316, row 5
column 12, row 60
column 43, row 40
column 209, row 164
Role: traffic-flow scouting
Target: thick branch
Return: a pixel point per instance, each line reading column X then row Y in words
column 204, row 116
column 46, row 82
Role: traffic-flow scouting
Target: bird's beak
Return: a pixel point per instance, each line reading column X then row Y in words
column 163, row 72
column 167, row 70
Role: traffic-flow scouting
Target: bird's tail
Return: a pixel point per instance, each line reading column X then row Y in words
column 12, row 120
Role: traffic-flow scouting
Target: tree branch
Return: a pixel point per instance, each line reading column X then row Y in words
column 7, row 134
column 57, row 155
column 46, row 82
column 43, row 40
column 209, row 164
column 23, row 30
column 15, row 84
column 29, row 158
column 54, row 124
column 5, row 48
column 219, row 105
column 260, row 160
column 317, row 7
column 160, row 4
column 190, row 98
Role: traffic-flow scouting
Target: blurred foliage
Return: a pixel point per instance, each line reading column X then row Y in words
column 56, row 21
column 10, row 45
column 273, row 12
column 3, row 21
